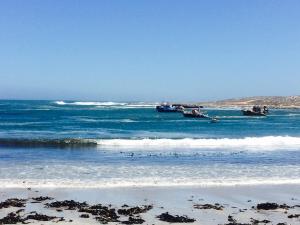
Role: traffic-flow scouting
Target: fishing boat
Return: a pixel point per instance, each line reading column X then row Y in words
column 194, row 114
column 255, row 111
column 167, row 108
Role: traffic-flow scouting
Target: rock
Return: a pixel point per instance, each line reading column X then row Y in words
column 175, row 219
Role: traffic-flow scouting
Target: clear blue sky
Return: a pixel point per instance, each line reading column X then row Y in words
column 148, row 50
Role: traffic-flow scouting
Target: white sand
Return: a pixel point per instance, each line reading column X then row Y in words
column 175, row 200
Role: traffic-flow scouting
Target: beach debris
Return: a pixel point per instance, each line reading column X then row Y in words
column 85, row 216
column 294, row 216
column 236, row 223
column 271, row 206
column 41, row 217
column 19, row 211
column 12, row 218
column 230, row 219
column 216, row 206
column 104, row 219
column 175, row 219
column 68, row 204
column 255, row 221
column 41, row 198
column 133, row 220
column 13, row 202
column 135, row 210
column 104, row 214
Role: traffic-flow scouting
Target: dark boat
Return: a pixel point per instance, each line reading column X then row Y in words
column 188, row 106
column 256, row 111
column 194, row 114
column 252, row 113
column 167, row 108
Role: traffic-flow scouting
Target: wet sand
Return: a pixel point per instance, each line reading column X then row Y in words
column 226, row 204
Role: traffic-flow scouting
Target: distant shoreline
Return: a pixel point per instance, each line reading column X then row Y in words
column 275, row 102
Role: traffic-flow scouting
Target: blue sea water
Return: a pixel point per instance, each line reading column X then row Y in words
column 104, row 144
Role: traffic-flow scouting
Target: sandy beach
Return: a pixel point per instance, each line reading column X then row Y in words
column 206, row 205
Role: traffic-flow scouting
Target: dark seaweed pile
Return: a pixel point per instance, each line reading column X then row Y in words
column 105, row 214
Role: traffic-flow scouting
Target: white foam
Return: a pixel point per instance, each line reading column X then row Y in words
column 249, row 143
column 60, row 103
column 91, row 103
column 114, row 183
column 121, row 105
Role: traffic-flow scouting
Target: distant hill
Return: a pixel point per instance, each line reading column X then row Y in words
column 270, row 101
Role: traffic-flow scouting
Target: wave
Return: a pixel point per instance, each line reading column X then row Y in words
column 108, row 104
column 90, row 103
column 22, row 123
column 97, row 120
column 251, row 143
column 144, row 182
column 59, row 143
column 247, row 143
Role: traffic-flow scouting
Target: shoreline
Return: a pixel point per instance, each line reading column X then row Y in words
column 73, row 185
column 238, row 203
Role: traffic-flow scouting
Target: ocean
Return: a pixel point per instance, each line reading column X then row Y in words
column 110, row 144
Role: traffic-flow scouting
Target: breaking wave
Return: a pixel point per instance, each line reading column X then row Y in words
column 248, row 143
column 59, row 143
column 108, row 104
column 90, row 103
column 144, row 182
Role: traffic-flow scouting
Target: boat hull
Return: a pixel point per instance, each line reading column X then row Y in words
column 190, row 115
column 252, row 113
column 163, row 109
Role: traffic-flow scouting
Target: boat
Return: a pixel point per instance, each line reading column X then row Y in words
column 256, row 111
column 167, row 108
column 188, row 106
column 194, row 114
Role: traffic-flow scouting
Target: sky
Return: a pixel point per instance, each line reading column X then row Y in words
column 140, row 50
